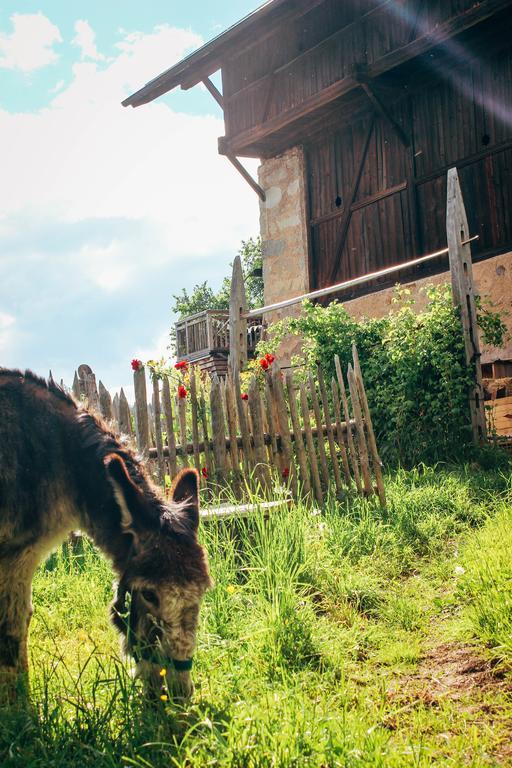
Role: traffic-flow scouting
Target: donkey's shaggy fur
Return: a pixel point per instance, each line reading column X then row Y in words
column 62, row 469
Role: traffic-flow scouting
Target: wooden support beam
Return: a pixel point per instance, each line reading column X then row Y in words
column 381, row 109
column 463, row 292
column 212, row 88
column 247, row 176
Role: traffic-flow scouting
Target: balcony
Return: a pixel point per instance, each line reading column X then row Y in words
column 204, row 337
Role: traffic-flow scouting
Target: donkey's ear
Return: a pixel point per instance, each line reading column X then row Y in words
column 126, row 493
column 185, row 491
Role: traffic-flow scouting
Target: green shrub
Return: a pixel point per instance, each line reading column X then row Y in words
column 413, row 366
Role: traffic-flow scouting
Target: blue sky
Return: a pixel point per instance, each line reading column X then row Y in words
column 105, row 212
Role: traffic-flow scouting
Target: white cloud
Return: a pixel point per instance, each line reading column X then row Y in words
column 113, row 210
column 86, row 157
column 85, row 39
column 30, row 44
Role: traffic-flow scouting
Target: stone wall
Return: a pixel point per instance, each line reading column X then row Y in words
column 284, row 228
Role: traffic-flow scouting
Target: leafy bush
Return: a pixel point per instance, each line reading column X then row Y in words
column 413, row 366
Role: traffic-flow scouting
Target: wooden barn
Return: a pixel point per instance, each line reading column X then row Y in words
column 356, row 109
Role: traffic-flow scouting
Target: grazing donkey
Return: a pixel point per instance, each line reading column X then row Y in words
column 62, row 469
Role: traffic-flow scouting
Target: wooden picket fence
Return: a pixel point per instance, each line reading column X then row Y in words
column 307, row 436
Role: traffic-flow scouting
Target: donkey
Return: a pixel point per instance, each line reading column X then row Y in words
column 61, row 469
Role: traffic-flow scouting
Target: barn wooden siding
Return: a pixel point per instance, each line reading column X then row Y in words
column 463, row 119
column 376, row 184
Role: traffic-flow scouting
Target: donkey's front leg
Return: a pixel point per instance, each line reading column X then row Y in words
column 15, row 614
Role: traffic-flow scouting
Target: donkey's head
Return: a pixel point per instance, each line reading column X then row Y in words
column 165, row 578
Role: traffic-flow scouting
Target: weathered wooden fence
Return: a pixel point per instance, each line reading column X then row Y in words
column 302, row 433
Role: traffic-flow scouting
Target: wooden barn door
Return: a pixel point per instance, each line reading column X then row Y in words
column 362, row 206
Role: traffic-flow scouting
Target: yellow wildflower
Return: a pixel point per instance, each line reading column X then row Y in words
column 231, row 589
column 163, row 697
column 163, row 672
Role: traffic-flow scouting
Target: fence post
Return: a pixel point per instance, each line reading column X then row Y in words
column 141, row 411
column 105, row 401
column 463, row 292
column 237, row 323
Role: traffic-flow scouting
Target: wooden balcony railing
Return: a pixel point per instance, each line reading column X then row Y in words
column 206, row 332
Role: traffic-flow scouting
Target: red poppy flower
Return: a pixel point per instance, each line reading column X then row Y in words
column 182, row 392
column 269, row 358
column 244, row 396
column 182, row 365
column 136, row 364
column 286, row 472
column 264, row 363
column 204, row 472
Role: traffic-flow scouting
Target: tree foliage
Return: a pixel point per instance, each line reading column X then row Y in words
column 204, row 297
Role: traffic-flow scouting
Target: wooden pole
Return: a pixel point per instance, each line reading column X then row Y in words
column 313, row 463
column 358, row 417
column 463, row 292
column 284, row 429
column 339, row 432
column 141, row 410
column 346, row 415
column 237, row 324
column 157, row 413
column 242, row 422
column 376, row 462
column 195, row 425
column 182, row 419
column 125, row 417
column 169, row 423
column 258, row 432
column 320, row 435
column 218, row 428
column 105, row 401
column 328, row 425
column 299, row 441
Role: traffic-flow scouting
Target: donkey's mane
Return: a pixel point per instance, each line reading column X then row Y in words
column 97, row 438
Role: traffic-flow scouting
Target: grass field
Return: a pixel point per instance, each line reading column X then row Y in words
column 353, row 638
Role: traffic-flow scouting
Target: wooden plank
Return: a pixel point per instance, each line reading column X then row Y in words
column 320, row 439
column 353, row 458
column 157, row 412
column 231, row 414
column 276, row 461
column 208, row 455
column 313, row 463
column 195, row 425
column 340, row 434
column 345, row 221
column 299, row 441
column 214, row 91
column 169, row 423
column 328, row 424
column 463, row 291
column 358, row 417
column 379, row 107
column 237, row 324
column 244, row 429
column 218, row 428
column 105, row 402
column 141, row 410
column 241, row 510
column 376, row 462
column 182, row 421
column 125, row 417
column 115, row 408
column 76, row 387
column 258, row 433
column 284, row 429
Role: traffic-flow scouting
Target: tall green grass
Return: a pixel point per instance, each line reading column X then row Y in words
column 312, row 619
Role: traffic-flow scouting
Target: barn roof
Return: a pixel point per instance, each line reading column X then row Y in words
column 208, row 59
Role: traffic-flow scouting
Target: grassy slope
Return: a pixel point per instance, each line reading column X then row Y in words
column 311, row 647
